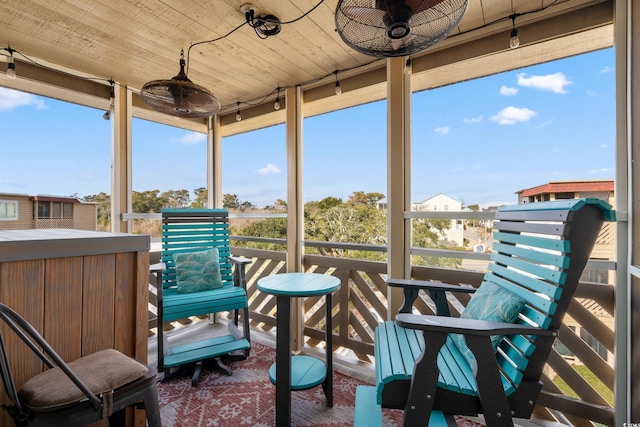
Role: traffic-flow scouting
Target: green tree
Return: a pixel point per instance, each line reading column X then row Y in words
column 367, row 199
column 176, row 198
column 346, row 223
column 246, row 205
column 202, row 198
column 269, row 228
column 230, row 201
column 426, row 233
column 147, row 201
column 329, row 202
column 103, row 201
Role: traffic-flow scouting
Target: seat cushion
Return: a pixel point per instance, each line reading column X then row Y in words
column 493, row 303
column 198, row 271
column 101, row 372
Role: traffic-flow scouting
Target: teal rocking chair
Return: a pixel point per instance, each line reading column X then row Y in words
column 198, row 276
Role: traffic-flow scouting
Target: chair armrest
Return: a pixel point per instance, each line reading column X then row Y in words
column 157, row 267
column 239, row 275
column 456, row 325
column 238, row 260
column 435, row 289
column 428, row 285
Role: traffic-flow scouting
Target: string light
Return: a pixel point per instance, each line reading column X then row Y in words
column 514, row 41
column 407, row 67
column 276, row 105
column 238, row 115
column 11, row 66
column 338, row 88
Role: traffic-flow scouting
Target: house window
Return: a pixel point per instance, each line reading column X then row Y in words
column 566, row 195
column 56, row 210
column 67, row 210
column 8, row 210
column 44, row 210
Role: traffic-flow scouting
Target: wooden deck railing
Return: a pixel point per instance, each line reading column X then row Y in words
column 584, row 351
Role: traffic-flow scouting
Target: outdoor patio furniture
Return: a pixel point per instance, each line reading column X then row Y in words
column 195, row 278
column 489, row 360
column 100, row 385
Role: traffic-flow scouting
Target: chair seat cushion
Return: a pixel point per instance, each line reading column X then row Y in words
column 101, row 372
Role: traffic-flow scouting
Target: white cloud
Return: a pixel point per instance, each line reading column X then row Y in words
column 11, row 99
column 192, row 138
column 444, row 130
column 477, row 119
column 606, row 70
column 604, row 146
column 512, row 115
column 551, row 82
column 601, row 170
column 270, row 169
column 509, row 91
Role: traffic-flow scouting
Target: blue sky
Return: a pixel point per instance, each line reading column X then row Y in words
column 479, row 142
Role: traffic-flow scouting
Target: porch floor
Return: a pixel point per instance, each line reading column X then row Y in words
column 203, row 328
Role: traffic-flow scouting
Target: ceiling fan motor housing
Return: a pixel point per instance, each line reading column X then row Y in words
column 397, row 17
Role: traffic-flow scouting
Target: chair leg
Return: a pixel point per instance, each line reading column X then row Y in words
column 196, row 373
column 219, row 365
column 151, row 407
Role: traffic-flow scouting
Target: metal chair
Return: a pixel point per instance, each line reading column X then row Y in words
column 100, row 385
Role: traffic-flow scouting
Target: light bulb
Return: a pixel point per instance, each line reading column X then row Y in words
column 338, row 88
column 276, row 105
column 407, row 67
column 514, row 41
column 11, row 69
column 107, row 115
column 238, row 116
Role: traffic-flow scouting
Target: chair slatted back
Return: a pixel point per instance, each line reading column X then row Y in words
column 539, row 255
column 190, row 230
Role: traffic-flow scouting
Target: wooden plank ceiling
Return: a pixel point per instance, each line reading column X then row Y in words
column 135, row 41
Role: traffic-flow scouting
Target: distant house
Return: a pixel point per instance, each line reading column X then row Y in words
column 597, row 188
column 22, row 211
column 443, row 203
column 557, row 190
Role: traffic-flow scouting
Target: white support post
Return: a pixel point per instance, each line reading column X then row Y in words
column 398, row 178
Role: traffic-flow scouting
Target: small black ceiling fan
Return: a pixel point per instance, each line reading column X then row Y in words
column 179, row 96
column 388, row 28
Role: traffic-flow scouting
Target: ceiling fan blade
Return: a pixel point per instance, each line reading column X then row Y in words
column 363, row 13
column 420, row 5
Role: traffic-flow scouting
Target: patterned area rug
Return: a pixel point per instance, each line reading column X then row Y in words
column 247, row 398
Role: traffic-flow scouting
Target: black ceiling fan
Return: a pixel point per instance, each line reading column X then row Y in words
column 388, row 28
column 179, row 96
